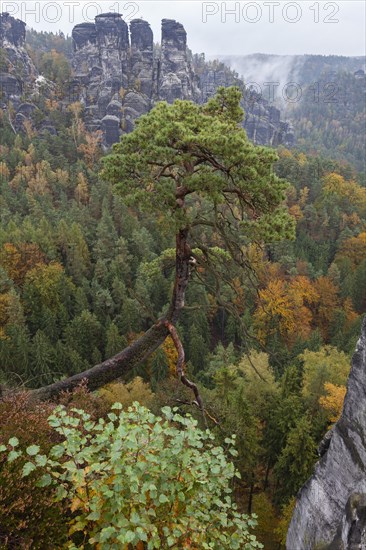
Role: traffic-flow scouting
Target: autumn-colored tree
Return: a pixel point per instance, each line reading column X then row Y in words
column 135, row 391
column 348, row 194
column 353, row 249
column 260, row 384
column 171, row 354
column 18, row 259
column 284, row 307
column 29, row 516
column 91, row 148
column 81, row 190
column 287, row 511
column 47, row 293
column 332, row 402
column 4, row 171
column 4, row 316
column 77, row 129
column 327, row 303
column 326, row 365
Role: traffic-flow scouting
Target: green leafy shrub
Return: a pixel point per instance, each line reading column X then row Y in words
column 139, row 479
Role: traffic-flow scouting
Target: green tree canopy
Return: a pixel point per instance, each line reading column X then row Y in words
column 195, row 165
column 214, row 191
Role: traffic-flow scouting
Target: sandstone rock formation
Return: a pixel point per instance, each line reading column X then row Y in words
column 176, row 77
column 20, row 83
column 118, row 75
column 330, row 512
column 262, row 121
column 18, row 76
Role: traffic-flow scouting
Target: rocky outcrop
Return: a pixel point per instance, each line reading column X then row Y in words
column 12, row 31
column 176, row 77
column 113, row 79
column 330, row 512
column 142, row 57
column 262, row 121
column 118, row 78
column 19, row 78
column 118, row 75
column 18, row 72
column 100, row 63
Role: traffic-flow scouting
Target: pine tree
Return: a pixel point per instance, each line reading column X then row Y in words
column 42, row 358
column 115, row 342
column 296, row 461
column 159, row 368
column 193, row 168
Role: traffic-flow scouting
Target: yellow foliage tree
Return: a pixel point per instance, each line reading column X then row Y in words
column 346, row 191
column 91, row 148
column 81, row 190
column 4, row 306
column 77, row 129
column 266, row 531
column 332, row 402
column 18, row 259
column 259, row 377
column 284, row 522
column 283, row 307
column 46, row 281
column 38, row 183
column 327, row 303
column 354, row 249
column 4, row 171
column 328, row 365
column 136, row 390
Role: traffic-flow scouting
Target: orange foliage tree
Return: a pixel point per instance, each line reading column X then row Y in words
column 18, row 259
column 284, row 308
column 328, row 301
column 354, row 249
column 332, row 402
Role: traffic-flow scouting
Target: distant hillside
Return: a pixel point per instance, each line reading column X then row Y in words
column 302, row 69
column 324, row 98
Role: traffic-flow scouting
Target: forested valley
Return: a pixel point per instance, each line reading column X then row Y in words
column 273, row 309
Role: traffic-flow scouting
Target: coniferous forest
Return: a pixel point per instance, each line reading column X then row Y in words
column 235, row 273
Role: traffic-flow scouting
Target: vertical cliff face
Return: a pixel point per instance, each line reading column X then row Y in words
column 18, row 76
column 176, row 78
column 142, row 56
column 12, row 42
column 102, row 44
column 101, row 66
column 12, row 31
column 117, row 77
column 330, row 512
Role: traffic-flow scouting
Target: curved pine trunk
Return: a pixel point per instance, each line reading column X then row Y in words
column 132, row 356
column 111, row 369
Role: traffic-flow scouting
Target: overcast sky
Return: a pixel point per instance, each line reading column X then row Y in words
column 222, row 28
